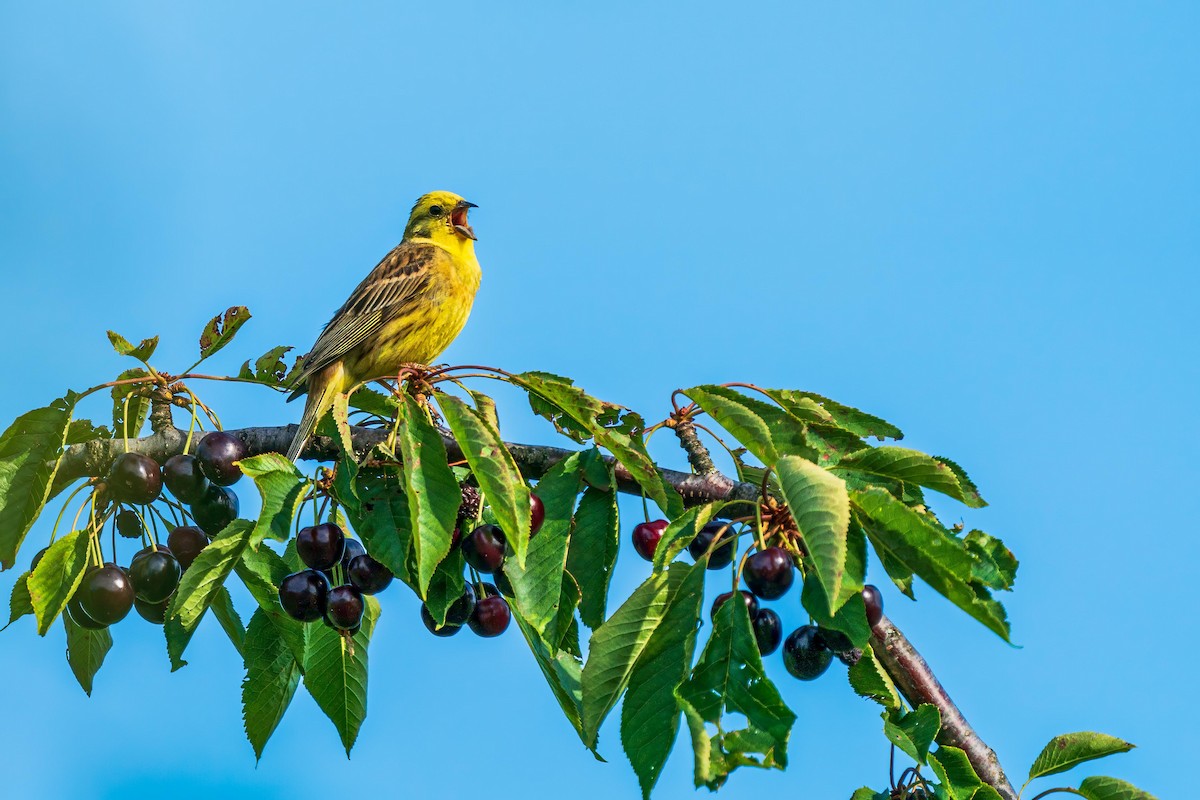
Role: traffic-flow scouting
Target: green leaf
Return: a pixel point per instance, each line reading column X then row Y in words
column 954, row 772
column 221, row 329
column 335, row 674
column 374, row 501
column 866, row 793
column 57, row 577
column 494, row 469
column 649, row 714
column 914, row 732
column 562, row 673
column 1072, row 749
column 941, row 560
column 615, row 647
column 201, row 584
column 563, row 630
column 446, row 586
column 84, row 430
column 821, row 509
column 281, row 487
column 269, row 368
column 227, row 616
column 1099, row 787
column 986, row 792
column 593, row 552
column 20, row 604
column 851, row 615
column 744, row 417
column 539, row 584
column 616, row 429
column 995, row 565
column 29, row 456
column 811, row 406
column 433, row 493
column 912, row 466
column 86, row 650
column 141, row 352
column 138, row 407
column 272, row 675
column 868, row 679
column 681, row 531
column 900, row 574
column 262, row 571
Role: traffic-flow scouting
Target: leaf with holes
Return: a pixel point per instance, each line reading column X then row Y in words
column 141, row 351
column 221, row 329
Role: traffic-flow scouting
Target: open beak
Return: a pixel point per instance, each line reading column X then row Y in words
column 458, row 218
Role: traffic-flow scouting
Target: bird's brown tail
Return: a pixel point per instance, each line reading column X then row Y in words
column 321, row 390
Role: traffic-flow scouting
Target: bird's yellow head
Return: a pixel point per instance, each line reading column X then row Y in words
column 442, row 217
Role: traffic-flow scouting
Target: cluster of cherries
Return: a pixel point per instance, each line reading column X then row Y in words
column 107, row 593
column 769, row 574
column 482, row 606
column 340, row 573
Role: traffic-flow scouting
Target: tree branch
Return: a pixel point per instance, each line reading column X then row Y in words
column 918, row 684
column 896, row 654
column 697, row 454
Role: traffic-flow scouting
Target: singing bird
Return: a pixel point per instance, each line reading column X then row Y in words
column 407, row 311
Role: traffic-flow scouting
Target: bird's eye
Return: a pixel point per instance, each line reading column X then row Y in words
column 436, row 211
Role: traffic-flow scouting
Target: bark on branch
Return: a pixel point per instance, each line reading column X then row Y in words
column 896, row 654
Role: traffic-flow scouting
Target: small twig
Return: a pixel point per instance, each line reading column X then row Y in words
column 697, row 454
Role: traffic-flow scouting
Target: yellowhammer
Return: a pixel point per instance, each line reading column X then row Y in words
column 408, row 310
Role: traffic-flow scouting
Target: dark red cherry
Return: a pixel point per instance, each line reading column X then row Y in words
column 769, row 573
column 345, row 608
column 432, row 626
column 723, row 555
column 646, row 536
column 751, row 603
column 537, row 514
column 185, row 543
column 129, row 525
column 75, row 612
column 368, row 575
column 155, row 575
column 873, row 600
column 460, row 610
column 768, row 630
column 218, row 454
column 321, row 546
column 304, row 595
column 152, row 612
column 490, row 617
column 106, row 594
column 483, row 548
column 805, row 654
column 183, row 477
column 134, row 478
column 217, row 508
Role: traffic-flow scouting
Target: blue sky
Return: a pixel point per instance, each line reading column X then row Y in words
column 977, row 222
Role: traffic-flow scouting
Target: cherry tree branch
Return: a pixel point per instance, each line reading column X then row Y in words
column 896, row 654
column 918, row 684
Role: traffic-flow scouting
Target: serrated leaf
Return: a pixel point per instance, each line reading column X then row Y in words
column 20, row 604
column 494, row 469
column 281, row 487
column 269, row 368
column 986, row 792
column 86, row 650
column 446, row 586
column 221, row 329
column 261, row 571
column 1099, row 787
column 376, row 506
column 29, row 455
column 900, row 574
column 916, row 541
column 912, row 466
column 201, row 584
column 337, row 678
column 849, row 419
column 613, row 428
column 1072, row 749
column 272, row 675
column 538, row 585
column 851, row 615
column 227, row 616
column 995, row 564
column 432, row 491
column 595, row 538
column 615, row 647
column 954, row 771
column 57, row 577
column 138, row 407
column 141, row 352
column 742, row 416
column 681, row 531
column 84, row 430
column 649, row 714
column 868, row 679
column 914, row 732
column 821, row 509
column 563, row 630
column 562, row 673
